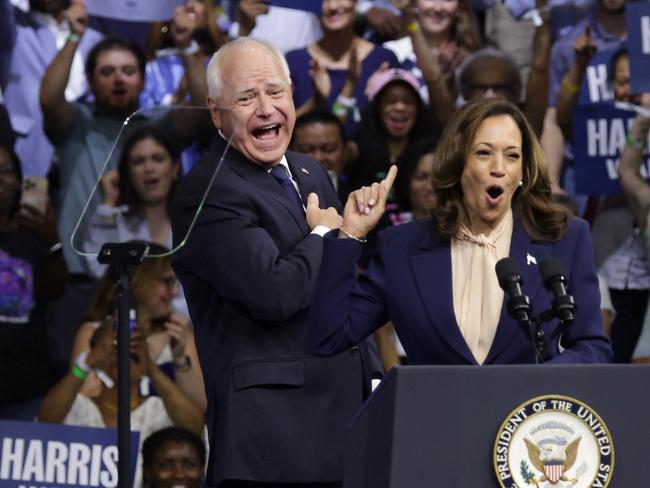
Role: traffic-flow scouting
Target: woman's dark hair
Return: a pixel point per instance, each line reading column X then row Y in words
column 613, row 61
column 110, row 44
column 127, row 194
column 543, row 220
column 158, row 439
column 406, row 172
column 373, row 161
column 141, row 275
column 18, row 172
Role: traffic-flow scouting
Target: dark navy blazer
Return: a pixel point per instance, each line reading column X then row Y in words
column 409, row 282
column 275, row 412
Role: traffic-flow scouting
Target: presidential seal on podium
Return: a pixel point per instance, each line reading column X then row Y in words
column 553, row 441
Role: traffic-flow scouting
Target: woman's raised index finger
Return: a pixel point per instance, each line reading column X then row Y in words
column 390, row 178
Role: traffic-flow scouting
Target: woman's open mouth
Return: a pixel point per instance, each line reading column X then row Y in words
column 494, row 193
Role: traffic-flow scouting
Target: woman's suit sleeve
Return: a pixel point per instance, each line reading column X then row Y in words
column 345, row 310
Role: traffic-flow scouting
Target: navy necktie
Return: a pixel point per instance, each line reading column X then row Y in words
column 280, row 174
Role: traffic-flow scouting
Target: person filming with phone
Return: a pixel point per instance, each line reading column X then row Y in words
column 32, row 271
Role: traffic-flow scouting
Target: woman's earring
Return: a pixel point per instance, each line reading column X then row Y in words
column 521, row 183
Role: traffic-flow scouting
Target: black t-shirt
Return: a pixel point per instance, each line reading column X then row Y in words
column 24, row 361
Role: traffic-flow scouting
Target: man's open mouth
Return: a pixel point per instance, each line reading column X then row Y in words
column 266, row 132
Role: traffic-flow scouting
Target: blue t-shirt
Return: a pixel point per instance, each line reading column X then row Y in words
column 303, row 86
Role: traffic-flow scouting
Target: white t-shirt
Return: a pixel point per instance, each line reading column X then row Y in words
column 149, row 417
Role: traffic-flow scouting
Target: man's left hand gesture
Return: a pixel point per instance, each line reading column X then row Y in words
column 316, row 216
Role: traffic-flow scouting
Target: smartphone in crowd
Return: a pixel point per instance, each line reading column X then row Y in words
column 34, row 193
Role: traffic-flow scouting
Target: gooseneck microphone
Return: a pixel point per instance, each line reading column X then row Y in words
column 510, row 281
column 554, row 279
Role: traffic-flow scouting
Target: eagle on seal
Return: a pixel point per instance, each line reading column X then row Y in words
column 553, row 462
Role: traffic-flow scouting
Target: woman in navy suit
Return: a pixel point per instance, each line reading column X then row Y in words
column 435, row 278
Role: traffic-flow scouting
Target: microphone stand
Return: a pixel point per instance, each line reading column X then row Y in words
column 520, row 309
column 120, row 255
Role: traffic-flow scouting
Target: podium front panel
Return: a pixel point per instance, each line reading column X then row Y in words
column 430, row 426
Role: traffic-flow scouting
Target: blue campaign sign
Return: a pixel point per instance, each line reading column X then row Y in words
column 313, row 6
column 44, row 455
column 637, row 16
column 599, row 134
column 595, row 86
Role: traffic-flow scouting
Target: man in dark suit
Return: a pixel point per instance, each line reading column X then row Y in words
column 276, row 415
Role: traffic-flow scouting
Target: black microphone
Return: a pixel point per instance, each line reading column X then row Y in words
column 510, row 281
column 555, row 280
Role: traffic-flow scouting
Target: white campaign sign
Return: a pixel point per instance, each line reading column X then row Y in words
column 134, row 10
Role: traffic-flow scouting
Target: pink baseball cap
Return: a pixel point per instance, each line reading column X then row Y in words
column 378, row 81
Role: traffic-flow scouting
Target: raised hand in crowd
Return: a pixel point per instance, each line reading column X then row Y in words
column 323, row 85
column 77, row 17
column 322, row 82
column 182, row 28
column 584, row 48
column 248, row 12
column 40, row 224
column 366, row 206
column 109, row 187
column 58, row 401
column 432, row 59
column 449, row 58
column 43, row 225
column 635, row 187
column 180, row 332
column 384, row 22
column 57, row 112
column 347, row 92
column 181, row 409
column 535, row 106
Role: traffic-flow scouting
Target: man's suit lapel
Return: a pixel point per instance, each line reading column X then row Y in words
column 528, row 255
column 260, row 178
column 307, row 182
column 432, row 271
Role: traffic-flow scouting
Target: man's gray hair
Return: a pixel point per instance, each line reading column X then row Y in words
column 214, row 71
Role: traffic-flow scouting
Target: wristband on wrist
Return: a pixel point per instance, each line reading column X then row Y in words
column 413, row 26
column 346, row 102
column 72, row 37
column 339, row 110
column 78, row 372
column 637, row 144
column 570, row 87
column 362, row 240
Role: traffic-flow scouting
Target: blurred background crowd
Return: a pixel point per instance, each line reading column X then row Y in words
column 374, row 84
